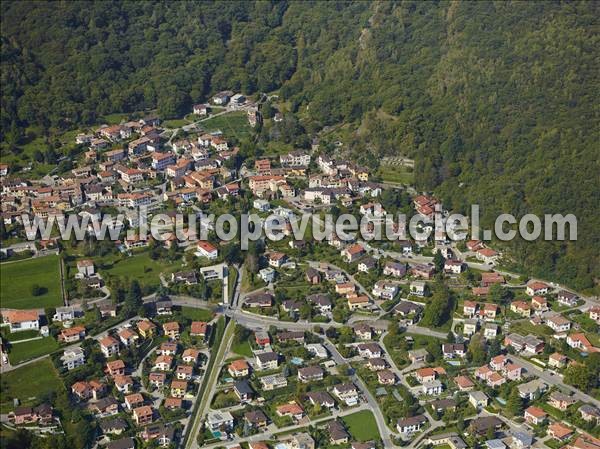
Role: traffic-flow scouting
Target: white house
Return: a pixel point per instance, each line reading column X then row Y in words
column 410, row 425
column 207, row 249
column 432, row 388
column 22, row 320
column 418, row 288
column 72, row 358
column 267, row 274
column 85, row 267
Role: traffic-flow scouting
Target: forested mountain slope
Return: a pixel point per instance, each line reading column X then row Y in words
column 497, row 102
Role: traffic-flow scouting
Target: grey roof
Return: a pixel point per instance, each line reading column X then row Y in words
column 265, row 357
column 525, row 438
column 243, row 387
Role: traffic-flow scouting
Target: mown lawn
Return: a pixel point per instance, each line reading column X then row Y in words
column 362, row 426
column 243, row 348
column 195, row 314
column 141, row 268
column 17, row 279
column 18, row 336
column 29, row 382
column 19, row 352
column 231, row 124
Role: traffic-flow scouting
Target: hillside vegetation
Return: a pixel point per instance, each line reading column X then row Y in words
column 496, row 101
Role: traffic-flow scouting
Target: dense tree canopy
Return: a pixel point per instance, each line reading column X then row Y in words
column 494, row 100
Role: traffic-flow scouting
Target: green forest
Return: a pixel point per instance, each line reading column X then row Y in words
column 496, row 101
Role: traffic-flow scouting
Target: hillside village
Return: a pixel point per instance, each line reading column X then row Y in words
column 297, row 344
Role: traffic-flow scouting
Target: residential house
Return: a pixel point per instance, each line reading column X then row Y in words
column 566, row 298
column 539, row 304
column 464, row 383
column 411, row 425
column 163, row 362
column 184, row 372
column 353, row 252
column 394, row 269
column 358, row 302
column 115, row 368
column 580, row 341
column 143, row 415
column 469, row 309
column 557, row 360
column 267, row 361
column 452, row 350
column 560, row 400
column 243, row 390
column 256, row 419
column 385, row 290
column 310, row 374
column 418, row 288
column 470, row 326
column 536, row 288
column 109, row 346
column 273, row 382
column 206, row 249
column 179, row 388
column 347, row 393
column 558, row 323
column 123, row 383
column 337, row 433
column 73, row 358
column 134, row 400
column 532, row 389
column 386, row 377
column 157, row 379
column 535, row 415
column 171, row 330
column 322, row 398
column 22, row 320
column 485, row 425
column 418, row 355
column 128, row 337
column 560, row 432
column 146, row 328
column 292, row 409
column 190, row 355
column 369, row 350
column 198, row 329
column 432, row 388
column 589, row 413
column 478, row 399
column 238, row 368
column 72, row 334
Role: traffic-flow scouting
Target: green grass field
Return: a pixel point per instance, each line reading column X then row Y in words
column 18, row 336
column 243, row 348
column 396, row 174
column 232, row 124
column 19, row 352
column 141, row 268
column 362, row 426
column 175, row 123
column 17, row 278
column 28, row 382
column 195, row 314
